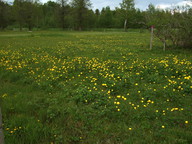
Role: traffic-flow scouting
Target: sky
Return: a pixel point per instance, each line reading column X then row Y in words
column 141, row 4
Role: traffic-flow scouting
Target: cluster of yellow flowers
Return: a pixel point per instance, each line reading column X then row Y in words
column 12, row 131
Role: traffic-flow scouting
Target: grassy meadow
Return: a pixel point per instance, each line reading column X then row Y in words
column 94, row 88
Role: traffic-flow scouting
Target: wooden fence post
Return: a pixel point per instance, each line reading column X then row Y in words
column 164, row 45
column 1, row 129
column 151, row 40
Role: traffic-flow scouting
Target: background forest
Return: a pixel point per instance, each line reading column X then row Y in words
column 174, row 24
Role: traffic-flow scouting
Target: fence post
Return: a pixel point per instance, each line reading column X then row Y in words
column 164, row 45
column 151, row 41
column 1, row 129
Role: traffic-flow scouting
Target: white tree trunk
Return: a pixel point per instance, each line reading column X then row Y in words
column 125, row 25
column 1, row 129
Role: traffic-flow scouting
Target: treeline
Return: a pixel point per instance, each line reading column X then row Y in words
column 76, row 15
column 172, row 25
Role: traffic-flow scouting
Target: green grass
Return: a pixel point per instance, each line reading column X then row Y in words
column 93, row 88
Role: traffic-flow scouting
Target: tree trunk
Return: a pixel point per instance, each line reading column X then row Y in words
column 125, row 25
column 1, row 130
column 37, row 23
column 164, row 45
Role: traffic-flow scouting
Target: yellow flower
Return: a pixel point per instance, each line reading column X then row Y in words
column 186, row 122
column 118, row 109
column 130, row 129
column 163, row 126
column 149, row 101
column 187, row 78
column 11, row 131
column 4, row 95
column 118, row 103
column 118, row 96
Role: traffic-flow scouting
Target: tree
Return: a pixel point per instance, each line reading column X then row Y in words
column 106, row 18
column 49, row 14
column 161, row 20
column 182, row 25
column 127, row 7
column 174, row 25
column 38, row 14
column 29, row 14
column 4, row 14
column 18, row 12
column 80, row 8
column 97, row 17
column 25, row 13
column 62, row 12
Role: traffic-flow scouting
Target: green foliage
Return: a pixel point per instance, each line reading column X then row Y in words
column 173, row 25
column 74, row 15
column 106, row 18
column 5, row 11
column 80, row 9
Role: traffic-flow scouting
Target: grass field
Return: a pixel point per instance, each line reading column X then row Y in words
column 94, row 88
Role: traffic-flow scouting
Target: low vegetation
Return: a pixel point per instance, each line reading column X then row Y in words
column 93, row 87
